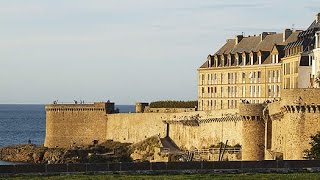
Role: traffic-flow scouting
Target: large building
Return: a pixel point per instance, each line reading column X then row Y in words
column 254, row 69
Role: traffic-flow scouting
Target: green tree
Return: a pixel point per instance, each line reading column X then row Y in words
column 314, row 152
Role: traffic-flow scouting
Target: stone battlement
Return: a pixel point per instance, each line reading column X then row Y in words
column 251, row 109
column 107, row 107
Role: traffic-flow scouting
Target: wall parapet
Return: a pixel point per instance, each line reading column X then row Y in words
column 300, row 96
column 98, row 106
column 251, row 109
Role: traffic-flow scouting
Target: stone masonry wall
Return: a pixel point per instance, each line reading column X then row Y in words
column 134, row 127
column 301, row 118
column 74, row 124
column 206, row 134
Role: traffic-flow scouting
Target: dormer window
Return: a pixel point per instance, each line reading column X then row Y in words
column 251, row 60
column 244, row 59
column 216, row 61
column 237, row 60
column 222, row 61
column 259, row 58
column 273, row 58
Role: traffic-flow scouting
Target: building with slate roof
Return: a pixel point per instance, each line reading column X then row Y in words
column 254, row 69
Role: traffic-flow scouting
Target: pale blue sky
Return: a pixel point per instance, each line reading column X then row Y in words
column 124, row 50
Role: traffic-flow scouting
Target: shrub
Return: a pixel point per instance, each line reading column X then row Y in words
column 174, row 104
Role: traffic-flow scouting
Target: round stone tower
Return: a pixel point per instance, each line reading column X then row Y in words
column 253, row 132
column 140, row 107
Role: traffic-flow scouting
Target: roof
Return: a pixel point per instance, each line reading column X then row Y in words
column 247, row 44
column 227, row 47
column 269, row 41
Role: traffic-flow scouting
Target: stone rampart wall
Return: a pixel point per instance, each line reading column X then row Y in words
column 297, row 119
column 74, row 124
column 206, row 134
column 134, row 127
column 302, row 96
column 250, row 109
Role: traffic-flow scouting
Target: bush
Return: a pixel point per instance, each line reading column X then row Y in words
column 314, row 152
column 174, row 104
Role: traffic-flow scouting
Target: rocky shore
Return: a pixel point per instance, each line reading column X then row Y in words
column 30, row 153
column 109, row 151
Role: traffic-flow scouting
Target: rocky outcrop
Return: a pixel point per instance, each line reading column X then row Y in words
column 106, row 152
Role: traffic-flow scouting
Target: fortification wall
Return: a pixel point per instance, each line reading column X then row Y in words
column 74, row 124
column 211, row 128
column 253, row 131
column 300, row 119
column 134, row 127
column 292, row 96
column 207, row 133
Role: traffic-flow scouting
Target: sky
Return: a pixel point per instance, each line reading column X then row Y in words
column 125, row 51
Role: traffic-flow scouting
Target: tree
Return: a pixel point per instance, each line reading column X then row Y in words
column 314, row 152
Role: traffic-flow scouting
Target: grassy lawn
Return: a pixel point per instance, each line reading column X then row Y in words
column 308, row 176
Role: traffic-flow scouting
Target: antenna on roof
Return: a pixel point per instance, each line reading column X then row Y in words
column 242, row 33
column 292, row 27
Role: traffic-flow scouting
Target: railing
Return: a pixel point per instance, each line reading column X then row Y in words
column 165, row 167
column 216, row 150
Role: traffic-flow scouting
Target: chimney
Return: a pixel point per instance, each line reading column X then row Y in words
column 318, row 18
column 286, row 34
column 238, row 38
column 263, row 35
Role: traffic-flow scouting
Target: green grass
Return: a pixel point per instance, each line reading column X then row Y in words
column 259, row 176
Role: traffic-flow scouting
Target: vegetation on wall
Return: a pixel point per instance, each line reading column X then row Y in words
column 174, row 104
column 314, row 152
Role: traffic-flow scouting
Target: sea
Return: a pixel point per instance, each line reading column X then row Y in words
column 20, row 123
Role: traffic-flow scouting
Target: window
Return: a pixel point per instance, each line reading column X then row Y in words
column 243, row 77
column 273, row 58
column 243, row 91
column 259, row 76
column 269, row 90
column 215, row 91
column 251, row 60
column 259, row 59
column 202, row 79
column 277, row 58
column 244, row 60
column 259, row 94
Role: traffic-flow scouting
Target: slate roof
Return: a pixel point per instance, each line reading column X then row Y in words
column 227, row 47
column 247, row 44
